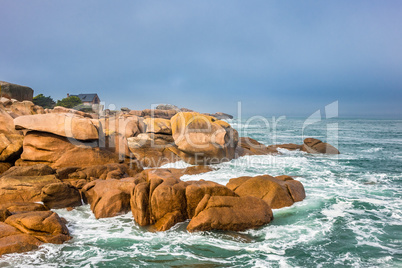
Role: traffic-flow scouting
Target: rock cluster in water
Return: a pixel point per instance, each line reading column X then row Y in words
column 63, row 158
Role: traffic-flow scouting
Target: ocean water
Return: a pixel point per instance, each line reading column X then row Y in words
column 351, row 217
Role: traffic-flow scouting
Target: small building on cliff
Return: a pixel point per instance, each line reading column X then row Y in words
column 88, row 99
column 13, row 91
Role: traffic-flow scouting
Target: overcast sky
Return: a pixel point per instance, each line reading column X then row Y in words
column 276, row 57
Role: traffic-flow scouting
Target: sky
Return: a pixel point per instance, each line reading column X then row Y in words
column 277, row 58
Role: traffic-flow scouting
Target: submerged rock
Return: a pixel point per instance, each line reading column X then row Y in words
column 315, row 146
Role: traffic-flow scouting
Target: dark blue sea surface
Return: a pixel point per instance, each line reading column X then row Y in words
column 351, row 217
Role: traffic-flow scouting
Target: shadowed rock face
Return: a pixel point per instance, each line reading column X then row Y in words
column 60, row 195
column 15, row 91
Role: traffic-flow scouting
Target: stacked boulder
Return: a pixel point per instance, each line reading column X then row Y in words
column 61, row 140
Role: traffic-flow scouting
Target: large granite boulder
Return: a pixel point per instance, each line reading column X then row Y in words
column 153, row 150
column 117, row 129
column 277, row 192
column 158, row 126
column 25, row 108
column 109, row 198
column 57, row 152
column 15, row 91
column 10, row 139
column 196, row 190
column 230, row 213
column 203, row 139
column 161, row 197
column 24, row 188
column 35, row 170
column 315, row 146
column 45, row 226
column 65, row 125
column 14, row 241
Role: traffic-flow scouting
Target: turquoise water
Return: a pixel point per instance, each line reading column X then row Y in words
column 352, row 216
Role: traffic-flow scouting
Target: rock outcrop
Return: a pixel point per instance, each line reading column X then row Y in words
column 161, row 198
column 10, row 139
column 277, row 192
column 64, row 125
column 220, row 115
column 14, row 91
column 109, row 198
column 249, row 146
column 26, row 225
column 315, row 146
column 158, row 126
column 45, row 226
column 60, row 195
column 196, row 190
column 57, row 152
column 14, row 241
column 24, row 188
column 202, row 139
column 153, row 150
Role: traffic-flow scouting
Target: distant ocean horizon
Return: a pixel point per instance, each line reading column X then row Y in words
column 351, row 217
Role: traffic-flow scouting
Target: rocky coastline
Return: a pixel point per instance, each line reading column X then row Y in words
column 63, row 158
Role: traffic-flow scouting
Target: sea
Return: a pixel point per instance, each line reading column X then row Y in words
column 351, row 217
